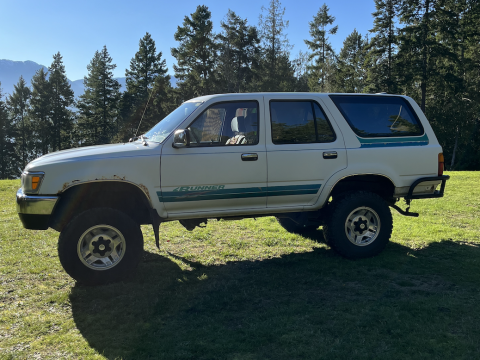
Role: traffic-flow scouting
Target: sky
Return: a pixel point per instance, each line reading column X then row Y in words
column 36, row 30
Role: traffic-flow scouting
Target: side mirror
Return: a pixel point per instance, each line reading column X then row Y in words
column 181, row 139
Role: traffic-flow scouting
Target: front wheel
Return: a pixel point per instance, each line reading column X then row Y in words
column 100, row 246
column 359, row 225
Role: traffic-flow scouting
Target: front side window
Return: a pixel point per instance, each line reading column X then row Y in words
column 378, row 116
column 228, row 123
column 299, row 122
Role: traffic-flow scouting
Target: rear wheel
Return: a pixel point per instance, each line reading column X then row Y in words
column 359, row 225
column 100, row 245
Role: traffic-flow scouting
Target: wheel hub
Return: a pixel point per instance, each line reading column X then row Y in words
column 101, row 247
column 362, row 226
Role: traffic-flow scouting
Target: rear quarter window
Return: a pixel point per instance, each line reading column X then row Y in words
column 378, row 116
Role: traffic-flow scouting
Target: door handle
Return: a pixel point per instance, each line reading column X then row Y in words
column 329, row 154
column 249, row 157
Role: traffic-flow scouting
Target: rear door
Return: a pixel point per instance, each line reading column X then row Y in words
column 225, row 167
column 304, row 148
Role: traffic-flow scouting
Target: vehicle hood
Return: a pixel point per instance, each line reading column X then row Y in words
column 94, row 153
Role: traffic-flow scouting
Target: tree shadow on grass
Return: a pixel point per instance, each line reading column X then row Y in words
column 314, row 305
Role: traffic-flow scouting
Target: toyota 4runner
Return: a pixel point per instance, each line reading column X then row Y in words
column 332, row 160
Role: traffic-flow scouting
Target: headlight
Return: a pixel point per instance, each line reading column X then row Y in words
column 31, row 182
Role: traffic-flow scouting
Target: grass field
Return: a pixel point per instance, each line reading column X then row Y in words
column 250, row 290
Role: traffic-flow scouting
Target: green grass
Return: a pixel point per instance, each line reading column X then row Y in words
column 250, row 290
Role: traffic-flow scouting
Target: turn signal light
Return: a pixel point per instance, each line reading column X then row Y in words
column 35, row 182
column 441, row 164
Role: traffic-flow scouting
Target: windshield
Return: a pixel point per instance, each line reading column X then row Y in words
column 164, row 128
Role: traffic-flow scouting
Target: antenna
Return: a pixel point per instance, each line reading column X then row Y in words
column 144, row 110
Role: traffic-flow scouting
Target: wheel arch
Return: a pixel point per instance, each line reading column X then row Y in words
column 377, row 183
column 130, row 198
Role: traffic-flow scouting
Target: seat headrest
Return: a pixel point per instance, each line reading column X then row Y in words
column 237, row 122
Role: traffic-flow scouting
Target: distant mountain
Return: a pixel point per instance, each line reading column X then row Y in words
column 10, row 72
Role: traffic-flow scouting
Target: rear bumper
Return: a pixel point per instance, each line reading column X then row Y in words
column 436, row 194
column 35, row 210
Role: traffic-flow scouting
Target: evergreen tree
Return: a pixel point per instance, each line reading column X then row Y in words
column 18, row 104
column 238, row 46
column 61, row 99
column 382, row 75
column 323, row 55
column 9, row 168
column 351, row 74
column 301, row 64
column 196, row 54
column 419, row 43
column 40, row 112
column 453, row 90
column 276, row 70
column 98, row 106
column 147, row 71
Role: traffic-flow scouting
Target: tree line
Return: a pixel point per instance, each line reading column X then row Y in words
column 426, row 49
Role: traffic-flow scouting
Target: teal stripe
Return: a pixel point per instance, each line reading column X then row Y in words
column 237, row 193
column 394, row 141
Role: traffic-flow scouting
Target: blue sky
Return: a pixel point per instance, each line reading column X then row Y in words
column 35, row 30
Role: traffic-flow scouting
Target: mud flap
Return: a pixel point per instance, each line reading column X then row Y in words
column 156, row 221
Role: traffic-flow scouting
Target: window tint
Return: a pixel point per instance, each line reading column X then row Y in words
column 378, row 116
column 324, row 130
column 233, row 123
column 299, row 122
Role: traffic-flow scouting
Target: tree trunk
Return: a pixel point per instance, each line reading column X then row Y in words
column 454, row 151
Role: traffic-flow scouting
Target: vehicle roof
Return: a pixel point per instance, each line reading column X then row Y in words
column 240, row 95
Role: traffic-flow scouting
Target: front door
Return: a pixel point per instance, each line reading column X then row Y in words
column 224, row 168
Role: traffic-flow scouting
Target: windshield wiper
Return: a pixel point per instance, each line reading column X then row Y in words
column 143, row 138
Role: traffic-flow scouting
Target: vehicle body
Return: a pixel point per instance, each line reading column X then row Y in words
column 295, row 156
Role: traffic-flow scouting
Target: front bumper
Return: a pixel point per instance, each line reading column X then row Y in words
column 35, row 210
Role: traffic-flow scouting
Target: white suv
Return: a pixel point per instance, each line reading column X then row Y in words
column 337, row 160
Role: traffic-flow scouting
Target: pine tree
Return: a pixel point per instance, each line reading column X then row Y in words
column 61, row 100
column 453, row 85
column 40, row 112
column 146, row 70
column 322, row 54
column 98, row 106
column 301, row 64
column 382, row 75
column 196, row 54
column 238, row 46
column 9, row 168
column 419, row 43
column 18, row 104
column 276, row 71
column 351, row 74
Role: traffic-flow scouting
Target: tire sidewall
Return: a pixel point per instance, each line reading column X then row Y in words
column 70, row 236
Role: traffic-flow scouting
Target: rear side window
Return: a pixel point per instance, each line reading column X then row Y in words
column 378, row 116
column 299, row 122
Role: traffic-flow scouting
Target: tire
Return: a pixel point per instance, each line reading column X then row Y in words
column 85, row 246
column 359, row 225
column 292, row 227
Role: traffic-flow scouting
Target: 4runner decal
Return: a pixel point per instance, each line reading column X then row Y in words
column 219, row 192
column 198, row 188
